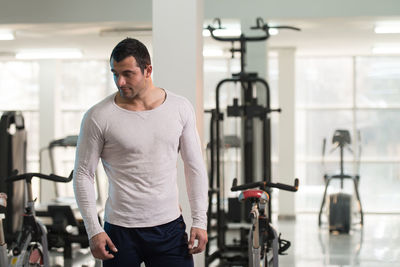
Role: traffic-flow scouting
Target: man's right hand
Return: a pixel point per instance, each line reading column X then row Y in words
column 98, row 245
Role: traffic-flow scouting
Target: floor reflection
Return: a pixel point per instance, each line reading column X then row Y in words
column 341, row 249
column 377, row 244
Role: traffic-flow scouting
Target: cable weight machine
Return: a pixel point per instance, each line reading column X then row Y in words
column 13, row 149
column 247, row 110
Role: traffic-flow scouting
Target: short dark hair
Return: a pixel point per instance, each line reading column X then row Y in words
column 132, row 47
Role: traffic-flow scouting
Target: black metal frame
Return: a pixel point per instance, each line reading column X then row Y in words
column 248, row 110
column 9, row 162
column 62, row 214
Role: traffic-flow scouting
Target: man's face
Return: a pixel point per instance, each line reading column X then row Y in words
column 128, row 77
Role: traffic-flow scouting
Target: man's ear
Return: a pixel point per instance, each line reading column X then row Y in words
column 148, row 70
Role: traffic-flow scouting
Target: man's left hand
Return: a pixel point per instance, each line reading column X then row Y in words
column 201, row 236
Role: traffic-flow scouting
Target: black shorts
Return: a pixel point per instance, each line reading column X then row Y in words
column 160, row 246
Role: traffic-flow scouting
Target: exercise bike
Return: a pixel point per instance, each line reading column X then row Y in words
column 3, row 245
column 264, row 243
column 30, row 248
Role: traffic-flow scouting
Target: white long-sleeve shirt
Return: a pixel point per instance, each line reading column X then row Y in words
column 139, row 151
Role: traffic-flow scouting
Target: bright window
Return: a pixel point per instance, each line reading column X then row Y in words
column 359, row 94
column 19, row 90
column 82, row 84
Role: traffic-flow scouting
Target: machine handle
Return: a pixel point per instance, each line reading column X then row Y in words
column 259, row 25
column 70, row 140
column 263, row 185
column 28, row 177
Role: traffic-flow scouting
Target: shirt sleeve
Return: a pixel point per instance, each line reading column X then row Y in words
column 194, row 168
column 89, row 147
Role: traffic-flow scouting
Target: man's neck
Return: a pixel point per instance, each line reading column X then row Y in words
column 149, row 99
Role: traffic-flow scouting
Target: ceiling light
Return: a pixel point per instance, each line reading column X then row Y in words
column 6, row 35
column 388, row 27
column 228, row 32
column 49, row 54
column 223, row 32
column 390, row 49
column 273, row 31
column 206, row 33
column 212, row 52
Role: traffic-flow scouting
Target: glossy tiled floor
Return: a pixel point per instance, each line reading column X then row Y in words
column 376, row 245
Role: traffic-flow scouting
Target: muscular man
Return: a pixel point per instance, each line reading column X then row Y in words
column 138, row 133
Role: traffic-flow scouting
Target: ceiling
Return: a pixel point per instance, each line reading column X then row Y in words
column 323, row 36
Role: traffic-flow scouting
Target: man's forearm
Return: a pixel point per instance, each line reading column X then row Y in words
column 86, row 200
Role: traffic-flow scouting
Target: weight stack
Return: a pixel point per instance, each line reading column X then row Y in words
column 340, row 212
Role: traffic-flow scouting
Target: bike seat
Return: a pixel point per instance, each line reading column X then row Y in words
column 254, row 194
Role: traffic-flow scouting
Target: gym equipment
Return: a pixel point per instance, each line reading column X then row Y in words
column 340, row 212
column 3, row 245
column 264, row 243
column 68, row 141
column 61, row 213
column 12, row 157
column 340, row 204
column 248, row 109
column 30, row 247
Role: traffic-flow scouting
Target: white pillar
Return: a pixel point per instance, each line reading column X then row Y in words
column 286, row 129
column 48, row 114
column 178, row 65
column 178, row 49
